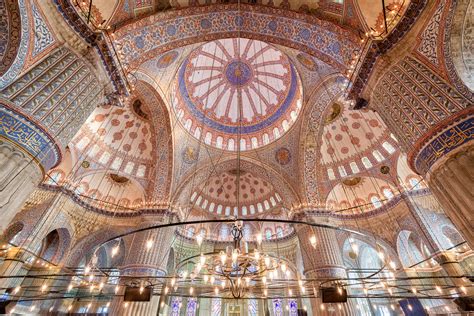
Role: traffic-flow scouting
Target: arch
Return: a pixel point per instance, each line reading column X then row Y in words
column 410, row 248
column 302, row 32
column 12, row 232
column 452, row 236
column 460, row 53
column 10, row 33
column 55, row 244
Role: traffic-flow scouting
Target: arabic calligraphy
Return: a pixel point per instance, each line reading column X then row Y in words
column 18, row 130
column 444, row 143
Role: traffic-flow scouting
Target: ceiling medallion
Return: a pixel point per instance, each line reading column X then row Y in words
column 118, row 179
column 85, row 164
column 190, row 155
column 283, row 156
column 352, row 181
column 336, row 110
column 385, row 169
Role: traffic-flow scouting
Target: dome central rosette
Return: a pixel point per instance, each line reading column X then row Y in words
column 234, row 89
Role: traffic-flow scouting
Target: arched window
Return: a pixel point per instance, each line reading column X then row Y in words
column 388, row 193
column 268, row 234
column 415, row 184
column 375, row 201
column 366, row 162
column 190, row 232
column 279, row 232
column 224, row 232
column 247, row 232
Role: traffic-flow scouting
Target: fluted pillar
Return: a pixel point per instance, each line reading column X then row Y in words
column 323, row 262
column 40, row 112
column 141, row 262
column 452, row 183
column 20, row 173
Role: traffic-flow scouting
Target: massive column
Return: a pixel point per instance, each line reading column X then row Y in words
column 322, row 262
column 452, row 183
column 140, row 262
column 434, row 124
column 40, row 112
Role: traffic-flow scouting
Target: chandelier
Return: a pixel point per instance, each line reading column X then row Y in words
column 236, row 269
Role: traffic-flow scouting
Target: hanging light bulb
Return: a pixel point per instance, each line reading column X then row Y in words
column 199, row 239
column 212, row 279
column 185, row 275
column 141, row 289
column 44, row 287
column 223, row 257
column 303, row 290
column 463, row 289
column 117, row 288
column 173, row 281
column 235, row 255
column 366, row 291
column 191, row 290
column 125, row 304
column 381, row 255
column 259, row 238
column 206, row 278
column 223, row 283
column 265, row 292
column 413, row 290
column 283, row 267
column 257, row 255
column 392, row 307
column 410, row 307
column 202, row 259
column 69, row 307
column 101, row 285
column 149, row 244
column 239, row 281
column 290, row 292
column 393, row 265
column 17, row 289
column 87, row 270
column 166, row 290
column 216, row 290
column 313, row 241
column 264, row 280
column 390, row 290
column 32, row 308
column 267, row 261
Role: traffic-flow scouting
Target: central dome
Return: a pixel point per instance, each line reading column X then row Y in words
column 234, row 89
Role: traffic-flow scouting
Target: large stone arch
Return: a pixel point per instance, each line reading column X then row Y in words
column 460, row 42
column 10, row 33
column 158, row 33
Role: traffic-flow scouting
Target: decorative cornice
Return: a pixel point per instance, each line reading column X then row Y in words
column 443, row 139
column 387, row 206
column 97, row 40
column 21, row 131
column 130, row 213
column 377, row 48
